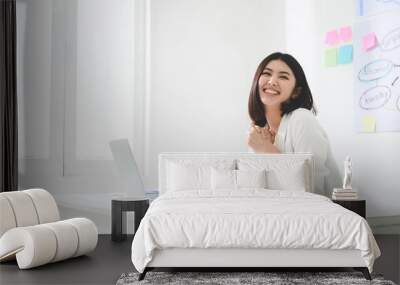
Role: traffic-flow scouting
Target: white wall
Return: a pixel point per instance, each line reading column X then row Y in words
column 76, row 71
column 34, row 50
column 203, row 58
column 171, row 76
column 104, row 78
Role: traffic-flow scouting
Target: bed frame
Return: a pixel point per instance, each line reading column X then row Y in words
column 248, row 258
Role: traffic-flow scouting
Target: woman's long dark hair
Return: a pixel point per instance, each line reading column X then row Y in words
column 303, row 98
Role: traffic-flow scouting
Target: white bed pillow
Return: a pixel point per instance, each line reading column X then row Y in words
column 237, row 179
column 223, row 179
column 184, row 177
column 251, row 178
column 186, row 174
column 281, row 175
column 292, row 178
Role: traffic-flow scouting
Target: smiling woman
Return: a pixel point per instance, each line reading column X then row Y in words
column 283, row 117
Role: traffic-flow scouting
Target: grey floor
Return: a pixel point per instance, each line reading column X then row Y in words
column 110, row 260
column 103, row 266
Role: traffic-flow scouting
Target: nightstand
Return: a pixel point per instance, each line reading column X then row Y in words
column 357, row 206
column 119, row 207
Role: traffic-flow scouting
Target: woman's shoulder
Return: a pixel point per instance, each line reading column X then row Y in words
column 302, row 114
column 304, row 120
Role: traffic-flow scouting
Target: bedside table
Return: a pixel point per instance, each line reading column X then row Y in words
column 357, row 206
column 119, row 207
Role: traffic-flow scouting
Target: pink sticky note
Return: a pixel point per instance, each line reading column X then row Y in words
column 369, row 41
column 332, row 38
column 345, row 34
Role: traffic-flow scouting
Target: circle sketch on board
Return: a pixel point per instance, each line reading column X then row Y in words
column 375, row 70
column 375, row 97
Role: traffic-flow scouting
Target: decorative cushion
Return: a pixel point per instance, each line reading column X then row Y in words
column 183, row 177
column 281, row 174
column 292, row 178
column 237, row 179
column 186, row 174
column 223, row 179
column 251, row 179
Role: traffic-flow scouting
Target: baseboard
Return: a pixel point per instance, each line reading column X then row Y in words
column 385, row 225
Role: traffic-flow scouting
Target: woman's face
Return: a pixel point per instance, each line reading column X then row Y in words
column 276, row 83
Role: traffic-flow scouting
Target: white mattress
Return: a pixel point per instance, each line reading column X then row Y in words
column 250, row 218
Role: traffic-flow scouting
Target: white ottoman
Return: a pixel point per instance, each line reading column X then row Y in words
column 31, row 233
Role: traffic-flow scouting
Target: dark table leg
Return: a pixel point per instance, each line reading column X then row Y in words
column 118, row 221
column 140, row 211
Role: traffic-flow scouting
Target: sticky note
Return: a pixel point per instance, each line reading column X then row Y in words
column 330, row 57
column 369, row 42
column 332, row 38
column 345, row 54
column 345, row 34
column 369, row 124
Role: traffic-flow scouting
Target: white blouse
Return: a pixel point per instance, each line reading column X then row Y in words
column 300, row 131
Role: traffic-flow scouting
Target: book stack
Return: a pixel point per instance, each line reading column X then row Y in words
column 344, row 194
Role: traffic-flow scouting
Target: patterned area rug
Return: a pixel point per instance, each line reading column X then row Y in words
column 229, row 278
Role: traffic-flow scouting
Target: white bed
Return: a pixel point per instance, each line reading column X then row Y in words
column 226, row 217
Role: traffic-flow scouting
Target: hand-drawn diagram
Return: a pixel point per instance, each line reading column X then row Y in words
column 378, row 96
column 377, row 74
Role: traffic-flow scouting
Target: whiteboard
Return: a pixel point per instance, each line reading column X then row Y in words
column 372, row 7
column 377, row 74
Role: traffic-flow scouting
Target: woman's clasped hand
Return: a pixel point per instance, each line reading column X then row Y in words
column 260, row 139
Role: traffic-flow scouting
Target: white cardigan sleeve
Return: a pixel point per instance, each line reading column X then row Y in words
column 307, row 135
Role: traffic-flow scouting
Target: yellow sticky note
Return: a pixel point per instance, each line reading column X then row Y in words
column 369, row 124
column 330, row 57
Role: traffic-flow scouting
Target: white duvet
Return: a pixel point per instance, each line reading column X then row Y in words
column 251, row 218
